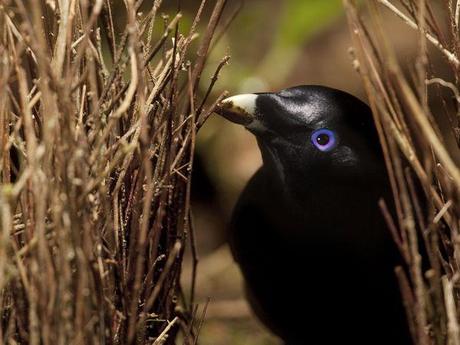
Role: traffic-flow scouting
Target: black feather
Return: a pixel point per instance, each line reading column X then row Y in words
column 307, row 231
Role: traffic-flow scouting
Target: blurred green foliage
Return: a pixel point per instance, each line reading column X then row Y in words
column 268, row 37
column 299, row 21
column 302, row 18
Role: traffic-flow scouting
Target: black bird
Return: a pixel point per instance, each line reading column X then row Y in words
column 307, row 232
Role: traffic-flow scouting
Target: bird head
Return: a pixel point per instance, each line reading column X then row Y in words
column 306, row 133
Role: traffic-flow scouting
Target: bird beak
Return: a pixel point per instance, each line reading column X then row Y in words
column 240, row 109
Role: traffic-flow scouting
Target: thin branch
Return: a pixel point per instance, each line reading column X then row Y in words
column 450, row 56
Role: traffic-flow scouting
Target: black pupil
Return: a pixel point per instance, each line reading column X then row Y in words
column 322, row 139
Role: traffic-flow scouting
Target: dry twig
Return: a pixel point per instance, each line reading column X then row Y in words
column 414, row 146
column 95, row 171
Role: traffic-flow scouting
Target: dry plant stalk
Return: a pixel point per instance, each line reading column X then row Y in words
column 425, row 177
column 97, row 133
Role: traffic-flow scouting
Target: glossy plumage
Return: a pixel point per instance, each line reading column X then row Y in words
column 307, row 231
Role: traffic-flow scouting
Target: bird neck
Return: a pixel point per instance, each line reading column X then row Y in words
column 317, row 186
column 273, row 170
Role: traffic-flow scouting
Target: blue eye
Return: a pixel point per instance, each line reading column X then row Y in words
column 323, row 139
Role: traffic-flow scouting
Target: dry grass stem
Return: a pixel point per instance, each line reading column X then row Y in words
column 97, row 125
column 411, row 115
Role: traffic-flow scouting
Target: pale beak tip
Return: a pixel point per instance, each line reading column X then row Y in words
column 239, row 109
